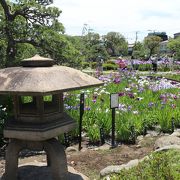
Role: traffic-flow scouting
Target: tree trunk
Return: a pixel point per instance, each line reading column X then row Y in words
column 10, row 54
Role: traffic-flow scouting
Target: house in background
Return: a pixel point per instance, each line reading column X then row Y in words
column 163, row 44
column 163, row 47
column 130, row 49
column 176, row 35
column 162, row 35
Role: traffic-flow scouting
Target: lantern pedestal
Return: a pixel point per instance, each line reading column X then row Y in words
column 56, row 158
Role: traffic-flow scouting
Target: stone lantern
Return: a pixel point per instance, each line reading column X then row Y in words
column 37, row 91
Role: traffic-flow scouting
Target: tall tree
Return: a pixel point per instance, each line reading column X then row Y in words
column 94, row 47
column 28, row 22
column 139, row 51
column 152, row 44
column 115, row 44
column 174, row 46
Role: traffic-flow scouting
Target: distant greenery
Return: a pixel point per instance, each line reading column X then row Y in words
column 174, row 46
column 161, row 67
column 5, row 112
column 110, row 66
column 152, row 43
column 160, row 166
column 175, row 77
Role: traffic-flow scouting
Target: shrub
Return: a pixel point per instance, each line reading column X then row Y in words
column 144, row 67
column 110, row 62
column 94, row 65
column 161, row 165
column 107, row 67
column 5, row 112
column 85, row 65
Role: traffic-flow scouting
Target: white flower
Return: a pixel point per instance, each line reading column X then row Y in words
column 135, row 112
column 3, row 109
column 102, row 91
column 88, row 92
column 140, row 98
column 127, row 89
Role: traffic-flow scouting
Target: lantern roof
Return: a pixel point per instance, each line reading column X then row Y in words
column 38, row 76
column 37, row 61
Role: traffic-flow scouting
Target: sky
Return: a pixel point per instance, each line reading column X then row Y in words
column 124, row 16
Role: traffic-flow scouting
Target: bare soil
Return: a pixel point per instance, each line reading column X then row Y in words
column 91, row 161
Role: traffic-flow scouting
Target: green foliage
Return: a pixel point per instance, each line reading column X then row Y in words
column 174, row 46
column 148, row 67
column 24, row 51
column 139, row 51
column 110, row 66
column 110, row 62
column 115, row 44
column 160, row 165
column 93, row 47
column 32, row 27
column 175, row 77
column 152, row 43
column 84, row 65
column 93, row 134
column 144, row 67
column 6, row 111
column 94, row 65
column 3, row 46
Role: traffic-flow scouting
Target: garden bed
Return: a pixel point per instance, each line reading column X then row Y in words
column 144, row 103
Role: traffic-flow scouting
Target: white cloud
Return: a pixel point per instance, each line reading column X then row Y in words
column 124, row 16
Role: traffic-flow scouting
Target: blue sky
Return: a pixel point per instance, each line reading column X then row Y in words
column 123, row 16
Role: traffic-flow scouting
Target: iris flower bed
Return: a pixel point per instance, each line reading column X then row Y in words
column 163, row 65
column 143, row 104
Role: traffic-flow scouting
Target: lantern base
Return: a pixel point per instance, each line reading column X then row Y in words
column 56, row 158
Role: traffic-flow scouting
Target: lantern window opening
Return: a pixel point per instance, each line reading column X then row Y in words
column 51, row 103
column 47, row 98
column 27, row 105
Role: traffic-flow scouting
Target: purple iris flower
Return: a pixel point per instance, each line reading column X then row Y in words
column 116, row 80
column 87, row 108
column 162, row 96
column 94, row 100
column 150, row 104
column 175, row 97
column 121, row 94
column 173, row 106
column 131, row 95
column 163, row 102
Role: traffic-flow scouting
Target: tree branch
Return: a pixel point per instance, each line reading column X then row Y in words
column 6, row 9
column 30, row 41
